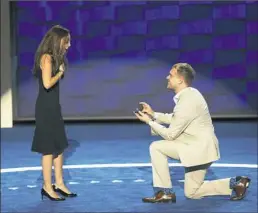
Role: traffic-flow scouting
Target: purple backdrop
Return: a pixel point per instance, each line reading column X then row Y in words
column 122, row 51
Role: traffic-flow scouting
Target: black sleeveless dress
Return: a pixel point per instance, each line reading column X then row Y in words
column 49, row 136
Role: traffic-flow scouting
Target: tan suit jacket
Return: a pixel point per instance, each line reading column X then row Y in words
column 190, row 127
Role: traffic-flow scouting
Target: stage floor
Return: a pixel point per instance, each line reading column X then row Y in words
column 108, row 166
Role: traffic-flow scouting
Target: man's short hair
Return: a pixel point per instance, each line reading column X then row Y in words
column 186, row 71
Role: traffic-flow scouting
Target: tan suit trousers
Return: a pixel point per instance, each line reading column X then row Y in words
column 194, row 185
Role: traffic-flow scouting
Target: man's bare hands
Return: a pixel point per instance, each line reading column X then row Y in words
column 143, row 117
column 147, row 109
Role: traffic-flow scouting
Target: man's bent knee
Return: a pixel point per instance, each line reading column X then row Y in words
column 191, row 194
column 153, row 146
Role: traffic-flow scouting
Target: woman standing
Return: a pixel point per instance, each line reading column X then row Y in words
column 49, row 137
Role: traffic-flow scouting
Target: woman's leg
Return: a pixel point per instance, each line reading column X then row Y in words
column 47, row 161
column 59, row 181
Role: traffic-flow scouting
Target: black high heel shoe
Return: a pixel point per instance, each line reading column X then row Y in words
column 56, row 189
column 44, row 193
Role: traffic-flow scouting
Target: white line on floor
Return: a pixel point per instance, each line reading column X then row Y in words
column 94, row 181
column 117, row 181
column 73, row 183
column 139, row 180
column 31, row 186
column 13, row 188
column 122, row 165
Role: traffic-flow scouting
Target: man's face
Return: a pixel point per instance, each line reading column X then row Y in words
column 174, row 80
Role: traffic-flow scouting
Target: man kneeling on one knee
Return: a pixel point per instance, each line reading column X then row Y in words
column 189, row 138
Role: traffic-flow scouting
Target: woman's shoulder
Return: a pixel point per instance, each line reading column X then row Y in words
column 47, row 56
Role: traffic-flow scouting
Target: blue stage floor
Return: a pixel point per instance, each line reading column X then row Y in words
column 108, row 165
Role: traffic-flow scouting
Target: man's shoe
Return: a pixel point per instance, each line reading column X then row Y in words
column 240, row 188
column 238, row 178
column 161, row 197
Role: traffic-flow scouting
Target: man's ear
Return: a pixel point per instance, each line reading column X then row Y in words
column 180, row 79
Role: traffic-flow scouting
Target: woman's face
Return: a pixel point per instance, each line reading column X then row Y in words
column 65, row 44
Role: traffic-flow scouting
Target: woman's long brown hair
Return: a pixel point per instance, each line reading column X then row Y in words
column 50, row 44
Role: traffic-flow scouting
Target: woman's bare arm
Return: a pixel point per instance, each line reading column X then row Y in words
column 46, row 67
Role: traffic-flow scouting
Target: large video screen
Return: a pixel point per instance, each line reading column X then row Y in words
column 122, row 52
